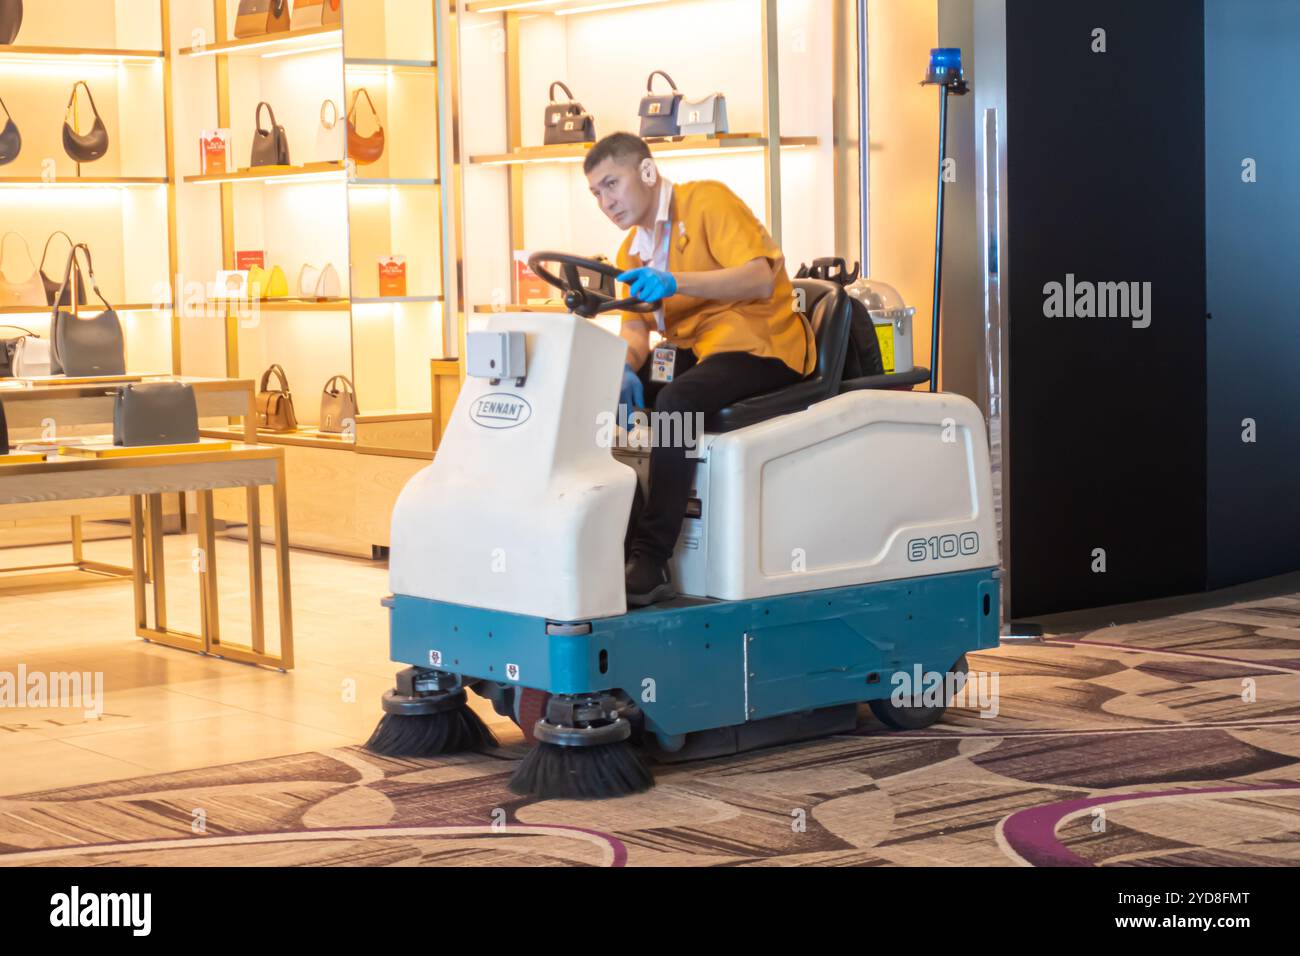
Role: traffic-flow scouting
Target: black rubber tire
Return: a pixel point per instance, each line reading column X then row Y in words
column 913, row 718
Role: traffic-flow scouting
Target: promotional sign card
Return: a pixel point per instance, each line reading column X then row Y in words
column 214, row 150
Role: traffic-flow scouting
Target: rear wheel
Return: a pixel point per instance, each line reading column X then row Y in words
column 918, row 717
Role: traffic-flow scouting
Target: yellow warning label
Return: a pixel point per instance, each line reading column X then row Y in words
column 886, row 335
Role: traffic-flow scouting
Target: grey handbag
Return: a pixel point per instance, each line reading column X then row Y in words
column 11, row 141
column 92, row 346
column 659, row 111
column 338, row 405
column 567, row 122
column 9, row 346
column 707, row 116
column 91, row 146
column 270, row 146
column 11, row 19
column 155, row 413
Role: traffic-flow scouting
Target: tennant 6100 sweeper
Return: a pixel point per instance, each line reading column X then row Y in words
column 833, row 542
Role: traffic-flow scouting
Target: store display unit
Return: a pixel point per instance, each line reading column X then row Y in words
column 357, row 104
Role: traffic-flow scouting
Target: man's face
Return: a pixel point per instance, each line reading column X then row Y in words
column 623, row 196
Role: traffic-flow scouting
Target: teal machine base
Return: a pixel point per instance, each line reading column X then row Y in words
column 698, row 665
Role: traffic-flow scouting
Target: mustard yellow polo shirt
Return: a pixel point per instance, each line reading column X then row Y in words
column 713, row 229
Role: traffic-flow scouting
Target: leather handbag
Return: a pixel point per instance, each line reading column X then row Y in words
column 338, row 405
column 51, row 287
column 88, row 147
column 28, row 291
column 256, row 17
column 275, row 406
column 333, row 13
column 567, row 122
column 307, row 14
column 270, row 146
column 155, row 413
column 316, row 283
column 364, row 149
column 11, row 18
column 8, row 346
column 658, row 111
column 86, row 346
column 29, row 355
column 707, row 116
column 11, row 141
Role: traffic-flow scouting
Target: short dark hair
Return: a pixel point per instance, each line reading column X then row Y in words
column 616, row 146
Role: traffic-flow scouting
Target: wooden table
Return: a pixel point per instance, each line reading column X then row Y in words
column 30, row 402
column 145, row 479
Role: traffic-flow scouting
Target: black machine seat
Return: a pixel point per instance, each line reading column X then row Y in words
column 831, row 313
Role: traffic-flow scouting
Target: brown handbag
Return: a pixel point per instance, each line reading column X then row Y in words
column 333, row 12
column 364, row 149
column 257, row 17
column 275, row 407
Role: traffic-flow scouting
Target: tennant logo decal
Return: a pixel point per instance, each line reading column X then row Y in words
column 500, row 410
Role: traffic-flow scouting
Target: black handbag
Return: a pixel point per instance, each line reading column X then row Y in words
column 155, row 413
column 270, row 146
column 567, row 122
column 11, row 18
column 4, row 431
column 91, row 346
column 658, row 111
column 91, row 146
column 52, row 287
column 11, row 141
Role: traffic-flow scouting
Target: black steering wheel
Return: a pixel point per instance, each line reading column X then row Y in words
column 579, row 299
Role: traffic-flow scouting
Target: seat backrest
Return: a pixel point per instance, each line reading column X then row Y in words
column 830, row 311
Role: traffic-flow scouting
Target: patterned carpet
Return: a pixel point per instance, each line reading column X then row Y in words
column 1166, row 743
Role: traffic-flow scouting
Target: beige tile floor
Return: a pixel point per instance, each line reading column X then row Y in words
column 167, row 709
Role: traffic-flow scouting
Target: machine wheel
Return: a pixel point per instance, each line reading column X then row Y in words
column 914, row 718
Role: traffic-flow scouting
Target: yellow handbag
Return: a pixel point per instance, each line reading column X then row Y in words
column 267, row 285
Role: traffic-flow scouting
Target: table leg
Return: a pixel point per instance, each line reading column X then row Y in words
column 281, row 500
column 140, row 572
column 211, row 617
column 256, row 606
column 154, row 518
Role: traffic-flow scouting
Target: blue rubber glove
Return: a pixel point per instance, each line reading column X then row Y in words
column 650, row 285
column 632, row 395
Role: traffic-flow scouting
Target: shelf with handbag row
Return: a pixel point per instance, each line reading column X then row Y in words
column 275, row 45
column 325, row 171
column 723, row 144
column 76, row 55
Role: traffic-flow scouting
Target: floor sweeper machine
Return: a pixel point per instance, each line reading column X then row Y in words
column 839, row 548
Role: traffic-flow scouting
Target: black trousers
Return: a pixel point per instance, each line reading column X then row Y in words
column 697, row 387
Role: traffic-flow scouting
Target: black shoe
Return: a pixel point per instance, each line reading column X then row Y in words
column 647, row 580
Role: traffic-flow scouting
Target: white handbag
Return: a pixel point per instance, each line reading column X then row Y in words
column 707, row 116
column 316, row 283
column 31, row 357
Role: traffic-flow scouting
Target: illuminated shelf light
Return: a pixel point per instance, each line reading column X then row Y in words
column 75, row 55
column 312, row 172
column 276, row 45
column 726, row 145
column 85, row 182
column 561, row 8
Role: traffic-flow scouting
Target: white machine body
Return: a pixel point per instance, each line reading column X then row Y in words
column 526, row 512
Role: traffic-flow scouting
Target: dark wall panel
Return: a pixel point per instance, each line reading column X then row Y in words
column 1106, row 181
column 1253, row 283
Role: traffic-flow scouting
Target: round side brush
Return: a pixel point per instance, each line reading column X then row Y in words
column 590, row 764
column 428, row 725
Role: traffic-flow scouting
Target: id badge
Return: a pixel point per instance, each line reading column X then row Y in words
column 662, row 363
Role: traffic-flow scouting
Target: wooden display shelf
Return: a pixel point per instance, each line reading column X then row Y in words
column 329, row 170
column 518, row 307
column 93, row 306
column 684, row 145
column 302, row 305
column 364, row 181
column 78, row 53
column 274, row 44
column 350, row 61
column 84, row 181
column 554, row 6
column 387, row 299
column 302, row 437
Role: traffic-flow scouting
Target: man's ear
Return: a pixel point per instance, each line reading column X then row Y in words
column 649, row 171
